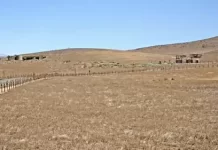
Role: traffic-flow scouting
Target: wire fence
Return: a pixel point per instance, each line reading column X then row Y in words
column 12, row 81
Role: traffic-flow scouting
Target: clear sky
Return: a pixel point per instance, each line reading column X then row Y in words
column 37, row 25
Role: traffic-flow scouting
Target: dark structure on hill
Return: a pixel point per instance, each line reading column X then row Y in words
column 23, row 58
column 180, row 58
column 192, row 58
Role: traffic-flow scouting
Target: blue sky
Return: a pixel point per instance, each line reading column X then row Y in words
column 37, row 25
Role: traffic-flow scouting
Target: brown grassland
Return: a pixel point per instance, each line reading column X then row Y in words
column 82, row 60
column 66, row 60
column 152, row 110
column 161, row 110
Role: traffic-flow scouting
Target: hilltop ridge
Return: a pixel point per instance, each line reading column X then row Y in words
column 96, row 58
column 199, row 46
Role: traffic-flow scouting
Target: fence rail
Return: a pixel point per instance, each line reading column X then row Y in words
column 13, row 81
column 8, row 84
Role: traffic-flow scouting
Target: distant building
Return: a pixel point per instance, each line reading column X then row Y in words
column 196, row 58
column 33, row 57
column 180, row 58
column 20, row 57
column 192, row 58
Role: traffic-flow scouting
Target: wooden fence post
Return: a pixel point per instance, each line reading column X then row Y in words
column 1, row 88
column 34, row 76
column 4, row 87
column 14, row 83
column 9, row 85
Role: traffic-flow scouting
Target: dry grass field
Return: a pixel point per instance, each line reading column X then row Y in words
column 162, row 110
column 168, row 110
column 82, row 60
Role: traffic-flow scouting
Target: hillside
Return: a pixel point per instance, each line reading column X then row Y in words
column 208, row 47
column 211, row 56
column 200, row 46
column 91, row 55
column 84, row 59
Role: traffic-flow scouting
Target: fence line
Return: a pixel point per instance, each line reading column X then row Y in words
column 13, row 81
column 151, row 68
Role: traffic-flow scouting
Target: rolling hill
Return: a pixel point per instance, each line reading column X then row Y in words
column 200, row 46
column 208, row 47
column 87, row 55
column 211, row 56
column 64, row 60
column 160, row 52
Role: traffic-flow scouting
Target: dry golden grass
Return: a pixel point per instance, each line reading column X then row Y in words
column 82, row 60
column 162, row 110
column 120, row 111
column 97, row 59
column 211, row 56
column 200, row 46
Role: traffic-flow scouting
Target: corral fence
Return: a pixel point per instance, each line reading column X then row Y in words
column 13, row 81
column 8, row 84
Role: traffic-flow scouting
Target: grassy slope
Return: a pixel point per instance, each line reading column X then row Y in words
column 211, row 56
column 201, row 46
column 56, row 59
column 155, row 53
